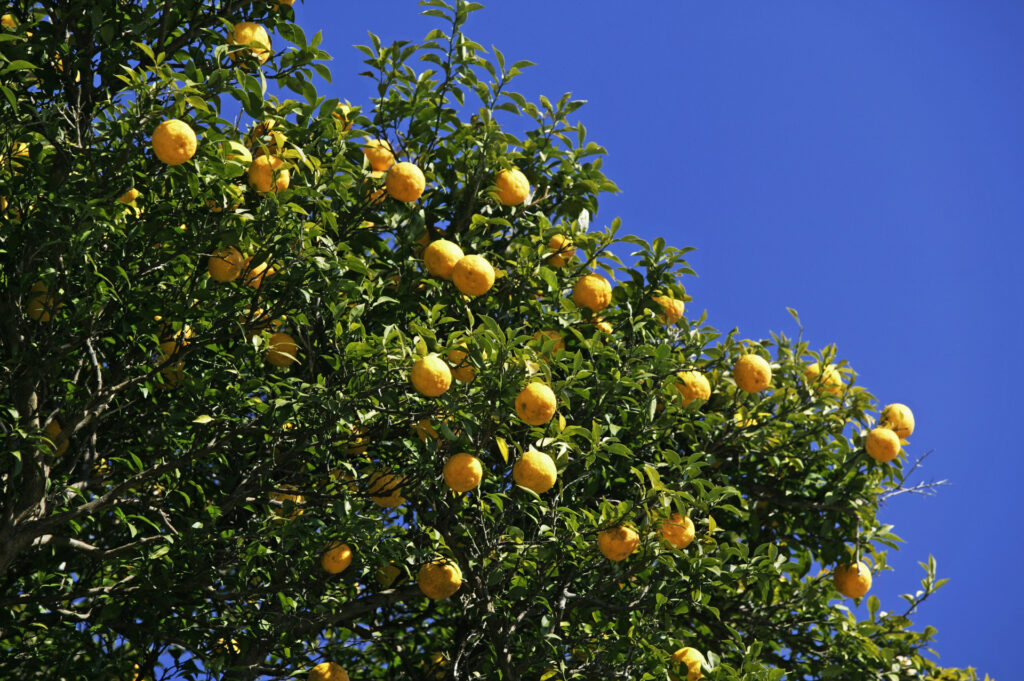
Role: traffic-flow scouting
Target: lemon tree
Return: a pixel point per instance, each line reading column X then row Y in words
column 232, row 306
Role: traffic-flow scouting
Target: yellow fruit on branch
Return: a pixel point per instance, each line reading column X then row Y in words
column 290, row 496
column 882, row 444
column 563, row 249
column 379, row 154
column 693, row 386
column 593, row 292
column 693, row 661
column 752, row 373
column 899, row 418
column 325, row 671
column 388, row 574
column 129, row 197
column 535, row 471
column 8, row 21
column 254, row 278
column 672, row 309
column 386, row 489
column 512, row 187
column 617, row 543
column 41, row 306
column 462, row 370
column 536, row 404
column 440, row 257
column 282, row 350
column 336, row 558
column 174, row 142
column 830, row 381
column 853, row 581
column 405, row 182
column 344, row 115
column 254, row 37
column 225, row 264
column 431, row 376
column 52, row 433
column 267, row 174
column 439, row 579
column 463, row 472
column 473, row 275
column 678, row 530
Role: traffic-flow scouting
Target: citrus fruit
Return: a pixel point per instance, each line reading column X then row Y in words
column 439, row 579
column 424, row 429
column 617, row 543
column 357, row 441
column 288, row 496
column 248, row 33
column 267, row 175
column 541, row 339
column 898, row 417
column 263, row 139
column 336, row 558
column 752, row 373
column 463, row 472
column 882, row 444
column 41, row 305
column 563, row 250
column 129, row 197
column 282, row 349
column 672, row 309
column 536, row 404
column 852, row 581
column 343, row 114
column 8, row 21
column 677, row 530
column 378, row 153
column 692, row 659
column 693, row 386
column 512, row 187
column 387, row 574
column 440, row 257
column 601, row 325
column 325, row 671
column 473, row 275
column 405, row 182
column 52, row 431
column 592, row 291
column 173, row 373
column 386, row 489
column 431, row 376
column 829, row 381
column 174, row 142
column 257, row 274
column 463, row 371
column 535, row 471
column 225, row 264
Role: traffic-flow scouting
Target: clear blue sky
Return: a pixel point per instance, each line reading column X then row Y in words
column 860, row 162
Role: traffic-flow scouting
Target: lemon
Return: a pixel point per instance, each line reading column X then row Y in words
column 325, row 671
column 882, row 444
column 512, row 187
column 692, row 658
column 439, row 579
column 463, row 472
column 830, row 381
column 336, row 558
column 563, row 250
column 282, row 350
column 431, row 376
column 386, row 489
column 378, row 153
column 440, row 257
column 462, row 370
column 693, row 386
column 592, row 291
column 617, row 543
column 174, row 142
column 672, row 309
column 225, row 264
column 852, row 581
column 536, row 404
column 899, row 418
column 677, row 530
column 535, row 471
column 266, row 174
column 752, row 373
column 248, row 33
column 52, row 432
column 405, row 182
column 473, row 275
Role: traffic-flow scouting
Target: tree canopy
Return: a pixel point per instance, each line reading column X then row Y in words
column 291, row 382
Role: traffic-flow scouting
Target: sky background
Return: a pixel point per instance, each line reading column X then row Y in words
column 859, row 162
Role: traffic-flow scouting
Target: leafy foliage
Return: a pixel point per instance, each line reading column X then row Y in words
column 179, row 533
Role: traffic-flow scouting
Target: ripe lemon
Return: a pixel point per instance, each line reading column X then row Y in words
column 8, row 21
column 267, row 175
column 852, row 581
column 882, row 444
column 463, row 472
column 52, row 431
column 440, row 257
column 463, row 371
column 672, row 309
column 257, row 274
column 473, row 275
column 439, row 579
column 535, row 471
column 387, row 574
column 831, row 381
column 378, row 153
column 282, row 349
column 692, row 659
column 752, row 373
column 41, row 305
column 263, row 135
column 693, row 386
column 424, row 429
column 541, row 338
column 405, row 182
column 129, row 197
column 225, row 264
column 536, row 404
column 386, row 489
column 617, row 543
column 173, row 373
column 592, row 291
column 336, row 558
column 295, row 499
column 174, row 142
column 248, row 33
column 512, row 187
column 601, row 325
column 431, row 376
column 899, row 418
column 325, row 671
column 678, row 530
column 563, row 250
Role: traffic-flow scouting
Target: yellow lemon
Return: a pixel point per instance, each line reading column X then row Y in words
column 592, row 291
column 672, row 309
column 440, row 257
column 266, row 174
column 463, row 472
column 336, row 558
column 831, row 381
column 473, row 275
column 379, row 154
column 296, row 499
column 882, row 444
column 462, row 370
column 282, row 350
column 41, row 306
column 536, row 404
column 752, row 373
column 52, row 432
column 898, row 417
column 512, row 187
column 535, row 471
column 129, row 197
column 431, row 376
column 677, row 530
column 617, row 543
column 325, row 671
column 563, row 250
column 257, row 274
column 693, row 386
column 853, row 581
column 253, row 35
column 405, row 182
column 692, row 659
column 386, row 489
column 439, row 579
column 225, row 264
column 174, row 142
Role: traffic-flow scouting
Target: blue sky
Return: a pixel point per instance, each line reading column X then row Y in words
column 859, row 162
